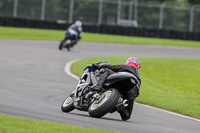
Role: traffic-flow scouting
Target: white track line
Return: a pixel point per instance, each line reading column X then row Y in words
column 68, row 71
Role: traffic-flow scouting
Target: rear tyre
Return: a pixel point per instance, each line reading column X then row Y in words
column 68, row 105
column 105, row 104
column 68, row 47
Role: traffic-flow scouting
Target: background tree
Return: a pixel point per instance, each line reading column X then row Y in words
column 194, row 1
column 6, row 7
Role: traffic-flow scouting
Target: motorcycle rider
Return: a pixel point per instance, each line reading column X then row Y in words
column 132, row 65
column 73, row 33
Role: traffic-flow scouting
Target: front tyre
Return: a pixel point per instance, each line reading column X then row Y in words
column 68, row 105
column 61, row 45
column 103, row 105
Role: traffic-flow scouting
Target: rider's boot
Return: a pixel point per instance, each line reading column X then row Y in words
column 124, row 114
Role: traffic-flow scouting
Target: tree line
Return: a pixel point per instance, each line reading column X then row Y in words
column 88, row 12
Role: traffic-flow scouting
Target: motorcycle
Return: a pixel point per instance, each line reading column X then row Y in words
column 68, row 40
column 66, row 44
column 98, row 103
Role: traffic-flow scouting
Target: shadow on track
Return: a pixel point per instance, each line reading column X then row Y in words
column 104, row 118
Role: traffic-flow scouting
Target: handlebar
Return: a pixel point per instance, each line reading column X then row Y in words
column 90, row 68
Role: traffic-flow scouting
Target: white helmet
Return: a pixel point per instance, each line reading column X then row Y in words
column 78, row 23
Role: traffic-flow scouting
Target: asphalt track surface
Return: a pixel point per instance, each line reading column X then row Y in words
column 33, row 84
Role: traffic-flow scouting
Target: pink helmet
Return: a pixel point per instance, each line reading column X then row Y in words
column 134, row 62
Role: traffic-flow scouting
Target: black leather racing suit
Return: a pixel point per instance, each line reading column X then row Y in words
column 107, row 69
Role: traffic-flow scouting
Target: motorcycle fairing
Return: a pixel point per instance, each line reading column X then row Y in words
column 81, row 85
column 121, row 76
column 86, row 80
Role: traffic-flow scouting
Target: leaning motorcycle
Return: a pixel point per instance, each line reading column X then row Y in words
column 99, row 103
column 68, row 40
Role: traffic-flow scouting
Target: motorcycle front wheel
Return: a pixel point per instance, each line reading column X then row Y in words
column 68, row 105
column 104, row 104
column 60, row 47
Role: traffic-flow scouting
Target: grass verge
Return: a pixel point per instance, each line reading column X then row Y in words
column 11, row 124
column 57, row 35
column 167, row 83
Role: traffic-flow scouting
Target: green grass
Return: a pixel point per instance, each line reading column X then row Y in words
column 57, row 35
column 167, row 83
column 9, row 124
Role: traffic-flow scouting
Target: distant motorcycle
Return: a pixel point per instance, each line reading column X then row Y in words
column 98, row 104
column 66, row 44
column 68, row 40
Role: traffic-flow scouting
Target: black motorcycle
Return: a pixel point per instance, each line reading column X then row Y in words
column 99, row 103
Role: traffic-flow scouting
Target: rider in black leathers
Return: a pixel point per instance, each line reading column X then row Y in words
column 132, row 65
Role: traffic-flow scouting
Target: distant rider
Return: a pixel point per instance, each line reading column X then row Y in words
column 132, row 65
column 73, row 33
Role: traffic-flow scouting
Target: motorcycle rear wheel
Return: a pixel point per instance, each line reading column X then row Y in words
column 105, row 104
column 68, row 105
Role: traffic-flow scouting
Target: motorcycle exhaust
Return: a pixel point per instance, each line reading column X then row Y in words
column 125, row 103
column 122, row 104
